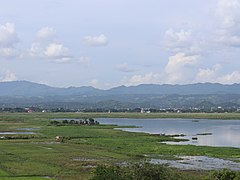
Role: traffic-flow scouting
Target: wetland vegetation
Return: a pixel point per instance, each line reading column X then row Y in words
column 85, row 148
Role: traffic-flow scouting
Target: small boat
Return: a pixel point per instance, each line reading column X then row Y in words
column 194, row 138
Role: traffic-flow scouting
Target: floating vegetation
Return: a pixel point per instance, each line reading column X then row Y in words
column 199, row 163
column 64, row 122
column 195, row 120
column 204, row 134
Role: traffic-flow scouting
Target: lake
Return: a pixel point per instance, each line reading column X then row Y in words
column 205, row 131
column 13, row 133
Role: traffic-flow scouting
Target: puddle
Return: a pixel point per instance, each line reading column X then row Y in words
column 48, row 148
column 89, row 166
column 199, row 163
column 83, row 159
column 28, row 129
column 11, row 133
column 45, row 142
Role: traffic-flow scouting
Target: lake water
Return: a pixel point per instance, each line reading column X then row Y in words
column 199, row 163
column 220, row 132
column 12, row 133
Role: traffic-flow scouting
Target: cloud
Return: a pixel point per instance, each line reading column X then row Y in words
column 149, row 78
column 46, row 33
column 51, row 50
column 63, row 60
column 229, row 40
column 208, row 74
column 180, row 68
column 8, row 35
column 182, row 41
column 8, row 52
column 8, row 38
column 39, row 48
column 94, row 82
column 228, row 12
column 100, row 40
column 56, row 51
column 6, row 75
column 230, row 78
column 125, row 68
column 215, row 76
column 43, row 47
column 177, row 41
column 35, row 51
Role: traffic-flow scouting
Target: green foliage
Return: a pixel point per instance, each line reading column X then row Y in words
column 89, row 121
column 141, row 171
column 224, row 174
column 3, row 173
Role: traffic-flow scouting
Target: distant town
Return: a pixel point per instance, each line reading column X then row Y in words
column 218, row 109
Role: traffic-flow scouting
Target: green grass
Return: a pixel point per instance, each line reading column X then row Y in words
column 24, row 117
column 85, row 147
column 3, row 173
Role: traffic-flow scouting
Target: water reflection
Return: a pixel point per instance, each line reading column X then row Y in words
column 219, row 132
column 199, row 163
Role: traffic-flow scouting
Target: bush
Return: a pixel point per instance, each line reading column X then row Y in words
column 142, row 171
column 224, row 174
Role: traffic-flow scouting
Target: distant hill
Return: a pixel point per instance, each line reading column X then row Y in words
column 199, row 88
column 30, row 89
column 203, row 95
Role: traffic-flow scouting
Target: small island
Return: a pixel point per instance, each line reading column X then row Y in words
column 65, row 122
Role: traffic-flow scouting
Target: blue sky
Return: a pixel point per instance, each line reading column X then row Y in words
column 106, row 43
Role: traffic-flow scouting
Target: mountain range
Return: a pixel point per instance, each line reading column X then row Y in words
column 30, row 89
column 25, row 93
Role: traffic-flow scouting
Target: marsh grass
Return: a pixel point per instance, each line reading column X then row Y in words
column 40, row 155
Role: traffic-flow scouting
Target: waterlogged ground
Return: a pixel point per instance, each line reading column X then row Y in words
column 39, row 155
column 199, row 163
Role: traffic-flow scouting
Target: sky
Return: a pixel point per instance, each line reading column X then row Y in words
column 108, row 43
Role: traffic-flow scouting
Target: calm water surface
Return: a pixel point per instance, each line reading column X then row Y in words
column 223, row 132
column 5, row 133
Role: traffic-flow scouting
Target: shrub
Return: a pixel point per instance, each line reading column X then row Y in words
column 224, row 174
column 141, row 171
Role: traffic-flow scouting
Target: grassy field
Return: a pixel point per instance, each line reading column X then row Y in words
column 39, row 156
column 124, row 115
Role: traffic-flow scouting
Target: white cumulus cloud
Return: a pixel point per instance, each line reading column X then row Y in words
column 228, row 12
column 56, row 51
column 176, row 41
column 180, row 68
column 46, row 33
column 182, row 41
column 6, row 75
column 208, row 74
column 149, row 78
column 8, row 35
column 230, row 78
column 35, row 51
column 100, row 40
column 8, row 38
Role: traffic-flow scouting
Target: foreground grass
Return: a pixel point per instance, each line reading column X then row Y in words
column 85, row 147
